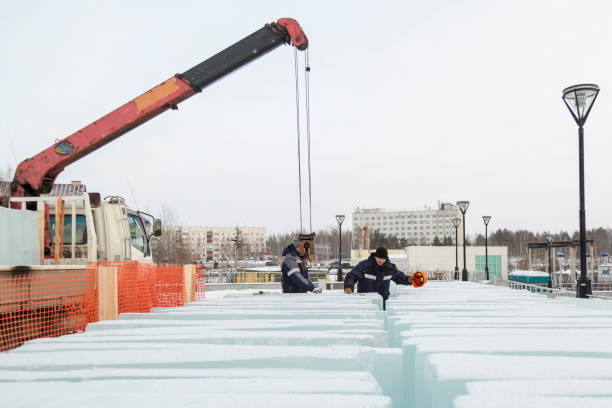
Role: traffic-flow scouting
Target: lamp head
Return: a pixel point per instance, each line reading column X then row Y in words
column 456, row 221
column 486, row 219
column 463, row 206
column 340, row 219
column 579, row 100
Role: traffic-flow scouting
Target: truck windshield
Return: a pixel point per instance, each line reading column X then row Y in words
column 138, row 236
column 81, row 230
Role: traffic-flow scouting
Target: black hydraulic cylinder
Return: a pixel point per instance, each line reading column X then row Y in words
column 244, row 51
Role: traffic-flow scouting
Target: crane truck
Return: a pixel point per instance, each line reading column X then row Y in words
column 96, row 229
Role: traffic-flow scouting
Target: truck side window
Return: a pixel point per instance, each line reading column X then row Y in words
column 137, row 233
column 81, row 229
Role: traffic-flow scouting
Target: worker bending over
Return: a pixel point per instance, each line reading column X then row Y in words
column 295, row 266
column 374, row 274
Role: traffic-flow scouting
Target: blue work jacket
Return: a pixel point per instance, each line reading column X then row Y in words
column 294, row 273
column 373, row 278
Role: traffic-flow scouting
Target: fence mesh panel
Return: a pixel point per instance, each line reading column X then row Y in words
column 169, row 286
column 141, row 286
column 200, row 282
column 45, row 303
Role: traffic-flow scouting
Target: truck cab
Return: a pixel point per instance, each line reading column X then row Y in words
column 93, row 229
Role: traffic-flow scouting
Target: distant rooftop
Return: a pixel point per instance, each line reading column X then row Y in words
column 441, row 206
column 59, row 189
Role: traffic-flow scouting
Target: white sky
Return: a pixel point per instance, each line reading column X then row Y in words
column 411, row 103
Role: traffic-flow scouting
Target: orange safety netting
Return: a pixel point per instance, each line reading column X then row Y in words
column 44, row 303
column 52, row 301
column 141, row 286
column 199, row 282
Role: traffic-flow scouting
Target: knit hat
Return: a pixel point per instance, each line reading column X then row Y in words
column 306, row 237
column 381, row 253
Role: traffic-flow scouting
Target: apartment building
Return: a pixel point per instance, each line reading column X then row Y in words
column 417, row 227
column 218, row 243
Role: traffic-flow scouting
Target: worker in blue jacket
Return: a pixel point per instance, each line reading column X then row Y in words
column 295, row 266
column 374, row 274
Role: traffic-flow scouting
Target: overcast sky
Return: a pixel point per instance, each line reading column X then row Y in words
column 412, row 102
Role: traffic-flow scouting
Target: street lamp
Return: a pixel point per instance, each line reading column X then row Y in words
column 463, row 206
column 486, row 219
column 340, row 219
column 456, row 221
column 579, row 100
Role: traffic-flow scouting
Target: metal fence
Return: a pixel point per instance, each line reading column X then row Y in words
column 568, row 290
column 242, row 276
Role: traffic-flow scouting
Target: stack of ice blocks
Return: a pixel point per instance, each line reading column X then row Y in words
column 471, row 345
column 252, row 350
column 460, row 344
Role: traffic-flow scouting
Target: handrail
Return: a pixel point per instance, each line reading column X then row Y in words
column 543, row 289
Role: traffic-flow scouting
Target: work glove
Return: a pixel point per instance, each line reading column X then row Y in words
column 348, row 290
column 317, row 290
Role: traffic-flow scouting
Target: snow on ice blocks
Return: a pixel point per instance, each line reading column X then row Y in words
column 458, row 338
column 124, row 396
column 510, row 401
column 448, row 374
column 538, row 394
column 265, row 350
column 65, row 385
column 467, row 344
column 359, row 337
column 504, row 342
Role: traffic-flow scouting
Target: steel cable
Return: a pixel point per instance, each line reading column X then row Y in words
column 297, row 109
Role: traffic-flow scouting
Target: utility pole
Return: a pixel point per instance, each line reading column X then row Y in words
column 238, row 242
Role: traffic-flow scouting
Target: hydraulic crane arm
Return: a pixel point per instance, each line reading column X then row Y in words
column 36, row 175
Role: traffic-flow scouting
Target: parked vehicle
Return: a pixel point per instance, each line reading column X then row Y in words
column 91, row 229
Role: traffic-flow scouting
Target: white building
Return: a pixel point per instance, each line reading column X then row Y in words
column 439, row 261
column 416, row 226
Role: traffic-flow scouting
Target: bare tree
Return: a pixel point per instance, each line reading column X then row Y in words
column 171, row 247
column 326, row 243
column 7, row 174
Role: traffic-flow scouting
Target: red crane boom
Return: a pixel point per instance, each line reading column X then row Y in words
column 36, row 175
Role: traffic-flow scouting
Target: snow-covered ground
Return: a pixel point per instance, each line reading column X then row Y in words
column 447, row 344
column 214, row 295
column 529, row 273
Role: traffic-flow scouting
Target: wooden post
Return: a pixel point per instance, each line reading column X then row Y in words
column 41, row 235
column 188, row 282
column 108, row 307
column 61, row 241
column 56, row 248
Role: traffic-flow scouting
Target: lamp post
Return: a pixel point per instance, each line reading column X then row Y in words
column 340, row 219
column 549, row 240
column 579, row 100
column 463, row 206
column 456, row 221
column 486, row 219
